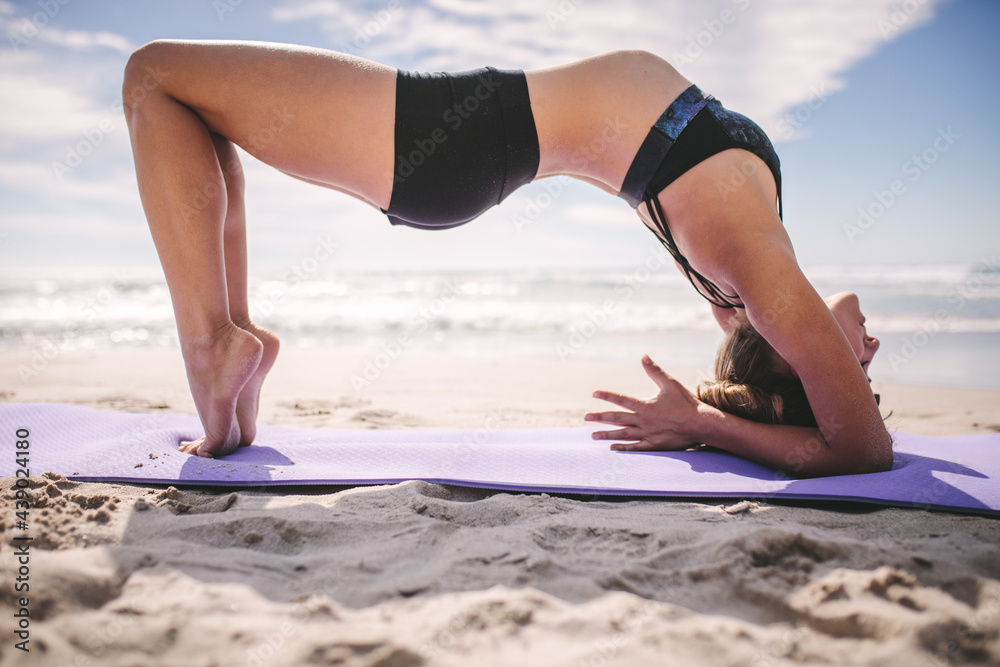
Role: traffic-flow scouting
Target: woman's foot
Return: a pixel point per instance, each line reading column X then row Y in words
column 249, row 399
column 219, row 366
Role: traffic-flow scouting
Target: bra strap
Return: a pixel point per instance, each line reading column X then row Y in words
column 659, row 140
column 705, row 287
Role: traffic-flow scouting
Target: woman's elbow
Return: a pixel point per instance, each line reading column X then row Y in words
column 877, row 457
column 882, row 454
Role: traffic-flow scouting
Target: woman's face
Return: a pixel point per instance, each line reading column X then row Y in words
column 847, row 311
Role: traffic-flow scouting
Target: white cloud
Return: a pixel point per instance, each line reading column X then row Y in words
column 22, row 31
column 59, row 111
column 75, row 188
column 50, row 99
column 770, row 58
column 80, row 40
column 760, row 57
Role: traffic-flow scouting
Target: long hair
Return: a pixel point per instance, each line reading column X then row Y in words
column 753, row 382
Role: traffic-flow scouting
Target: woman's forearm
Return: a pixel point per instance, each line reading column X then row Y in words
column 796, row 450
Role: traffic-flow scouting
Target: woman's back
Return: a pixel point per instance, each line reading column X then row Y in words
column 592, row 115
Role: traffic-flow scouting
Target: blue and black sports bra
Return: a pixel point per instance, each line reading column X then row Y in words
column 694, row 127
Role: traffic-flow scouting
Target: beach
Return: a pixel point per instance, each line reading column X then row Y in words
column 428, row 574
column 147, row 140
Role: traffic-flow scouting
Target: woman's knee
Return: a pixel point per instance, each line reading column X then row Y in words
column 147, row 70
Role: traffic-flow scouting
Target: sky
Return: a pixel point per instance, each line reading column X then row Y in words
column 883, row 114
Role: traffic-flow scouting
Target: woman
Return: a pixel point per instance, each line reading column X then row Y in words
column 434, row 151
column 754, row 384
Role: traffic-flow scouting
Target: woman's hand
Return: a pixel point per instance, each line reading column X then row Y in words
column 668, row 421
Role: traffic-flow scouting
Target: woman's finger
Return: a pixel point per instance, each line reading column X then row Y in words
column 639, row 446
column 626, row 402
column 621, row 418
column 617, row 434
column 655, row 373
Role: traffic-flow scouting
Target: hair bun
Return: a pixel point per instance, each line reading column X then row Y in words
column 743, row 400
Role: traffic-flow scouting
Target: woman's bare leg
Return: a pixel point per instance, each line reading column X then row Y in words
column 184, row 194
column 314, row 114
column 235, row 247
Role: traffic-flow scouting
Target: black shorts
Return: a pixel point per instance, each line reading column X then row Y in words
column 463, row 142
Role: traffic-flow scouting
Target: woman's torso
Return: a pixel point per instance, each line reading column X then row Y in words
column 592, row 115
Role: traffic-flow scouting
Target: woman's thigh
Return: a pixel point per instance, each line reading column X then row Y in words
column 323, row 116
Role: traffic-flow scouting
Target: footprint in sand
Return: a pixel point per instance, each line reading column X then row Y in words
column 378, row 418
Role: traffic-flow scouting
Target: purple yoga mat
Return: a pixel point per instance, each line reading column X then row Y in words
column 86, row 444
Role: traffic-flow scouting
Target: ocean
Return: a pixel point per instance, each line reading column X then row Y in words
column 938, row 324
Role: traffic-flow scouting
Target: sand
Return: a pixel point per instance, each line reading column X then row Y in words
column 426, row 574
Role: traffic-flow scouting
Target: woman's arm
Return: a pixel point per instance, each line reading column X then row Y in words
column 749, row 253
column 785, row 309
column 674, row 419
